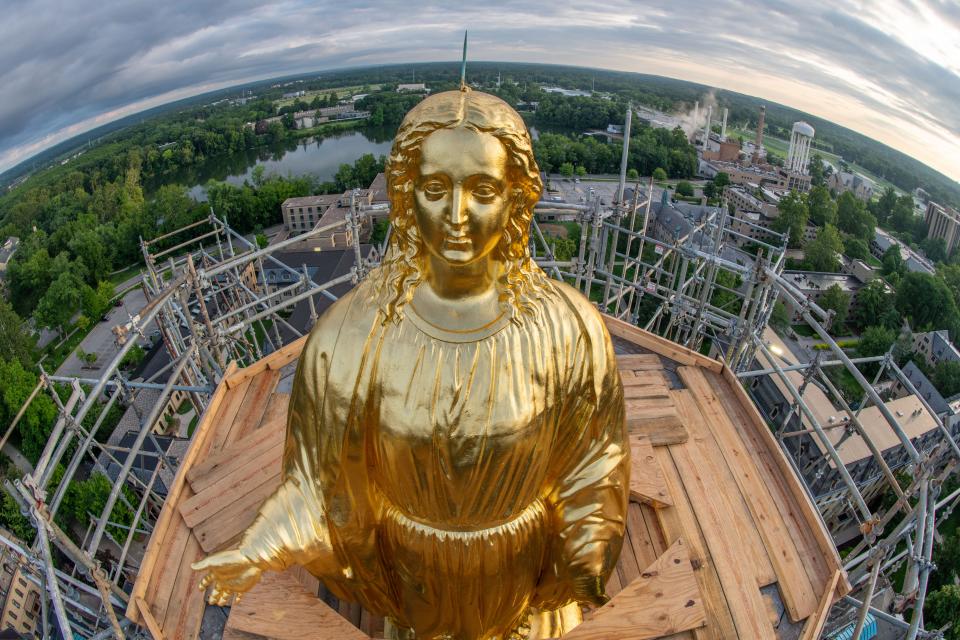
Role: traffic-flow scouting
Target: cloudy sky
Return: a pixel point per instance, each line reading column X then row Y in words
column 889, row 69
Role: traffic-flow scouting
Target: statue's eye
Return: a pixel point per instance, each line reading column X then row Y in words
column 485, row 192
column 434, row 189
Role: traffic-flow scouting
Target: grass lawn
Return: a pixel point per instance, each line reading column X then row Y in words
column 54, row 356
column 804, row 330
column 122, row 276
column 341, row 92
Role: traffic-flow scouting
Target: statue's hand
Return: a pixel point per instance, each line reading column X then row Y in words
column 589, row 589
column 230, row 573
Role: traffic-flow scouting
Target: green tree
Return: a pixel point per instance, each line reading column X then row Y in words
column 950, row 274
column 875, row 306
column 684, row 189
column 566, row 169
column 659, row 174
column 710, row 190
column 946, row 378
column 97, row 301
column 721, row 180
column 779, row 317
column 261, row 240
column 821, row 253
column 14, row 520
column 855, row 248
column 901, row 218
column 633, row 174
column 823, row 210
column 16, row 385
column 580, row 170
column 892, row 263
column 875, row 341
column 838, row 300
column 927, row 302
column 15, row 340
column 792, row 217
column 942, row 608
column 853, row 217
column 63, row 299
column 883, row 207
column 934, row 248
column 817, row 178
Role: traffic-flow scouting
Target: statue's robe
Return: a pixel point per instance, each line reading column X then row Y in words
column 452, row 481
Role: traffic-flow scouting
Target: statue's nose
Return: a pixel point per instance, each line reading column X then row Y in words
column 458, row 203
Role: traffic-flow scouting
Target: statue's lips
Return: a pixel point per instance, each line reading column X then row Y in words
column 456, row 242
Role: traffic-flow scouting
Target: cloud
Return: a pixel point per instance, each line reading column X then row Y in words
column 891, row 72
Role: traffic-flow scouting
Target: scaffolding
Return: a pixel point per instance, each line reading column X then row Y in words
column 208, row 293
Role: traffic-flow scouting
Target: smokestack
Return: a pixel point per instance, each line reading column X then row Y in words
column 706, row 127
column 723, row 127
column 758, row 143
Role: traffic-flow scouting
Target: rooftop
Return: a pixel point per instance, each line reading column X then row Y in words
column 714, row 505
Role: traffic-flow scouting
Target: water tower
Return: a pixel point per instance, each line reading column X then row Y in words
column 799, row 155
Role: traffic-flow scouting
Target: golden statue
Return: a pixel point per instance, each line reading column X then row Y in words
column 456, row 455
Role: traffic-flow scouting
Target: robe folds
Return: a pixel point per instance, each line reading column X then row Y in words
column 453, row 481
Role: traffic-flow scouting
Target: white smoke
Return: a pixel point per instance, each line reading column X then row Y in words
column 689, row 123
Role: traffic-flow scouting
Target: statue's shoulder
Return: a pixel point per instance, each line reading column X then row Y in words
column 347, row 314
column 585, row 311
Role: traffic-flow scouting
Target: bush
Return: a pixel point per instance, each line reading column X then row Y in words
column 684, row 189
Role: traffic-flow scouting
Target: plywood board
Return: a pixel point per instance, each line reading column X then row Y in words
column 664, row 600
column 646, row 477
column 279, row 607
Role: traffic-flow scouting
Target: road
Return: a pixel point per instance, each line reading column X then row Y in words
column 100, row 340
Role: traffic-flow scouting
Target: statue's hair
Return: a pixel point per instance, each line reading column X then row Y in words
column 400, row 270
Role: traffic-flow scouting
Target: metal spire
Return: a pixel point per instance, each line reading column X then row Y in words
column 463, row 64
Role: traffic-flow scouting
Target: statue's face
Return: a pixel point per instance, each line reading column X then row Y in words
column 461, row 194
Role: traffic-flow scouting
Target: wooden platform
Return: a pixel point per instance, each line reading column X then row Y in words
column 722, row 541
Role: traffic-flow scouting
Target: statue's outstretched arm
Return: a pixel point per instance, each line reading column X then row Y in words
column 589, row 498
column 291, row 526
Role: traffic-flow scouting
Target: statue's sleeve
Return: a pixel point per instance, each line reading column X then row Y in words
column 591, row 451
column 291, row 526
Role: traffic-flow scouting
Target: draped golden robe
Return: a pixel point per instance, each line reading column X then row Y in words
column 452, row 481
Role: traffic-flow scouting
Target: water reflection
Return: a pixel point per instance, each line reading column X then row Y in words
column 317, row 156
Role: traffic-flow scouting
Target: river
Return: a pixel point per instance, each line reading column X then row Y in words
column 319, row 157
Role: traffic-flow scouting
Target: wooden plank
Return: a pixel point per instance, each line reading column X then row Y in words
column 279, row 607
column 254, row 404
column 659, row 345
column 234, row 457
column 678, row 521
column 739, row 583
column 642, row 391
column 161, row 589
column 777, row 466
column 628, row 566
column 634, row 361
column 227, row 415
column 778, row 539
column 231, row 488
column 646, row 477
column 151, row 623
column 276, row 360
column 169, row 514
column 818, row 565
column 275, row 417
column 661, row 425
column 814, row 626
column 644, row 377
column 727, row 491
column 664, row 600
column 641, row 541
column 183, row 613
column 654, row 530
column 230, row 522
